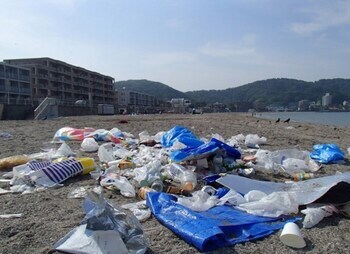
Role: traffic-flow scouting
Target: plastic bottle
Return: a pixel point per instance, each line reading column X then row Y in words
column 302, row 176
column 218, row 164
column 157, row 185
column 187, row 178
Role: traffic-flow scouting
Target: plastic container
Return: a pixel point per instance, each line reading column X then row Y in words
column 291, row 236
column 187, row 178
column 218, row 164
column 157, row 185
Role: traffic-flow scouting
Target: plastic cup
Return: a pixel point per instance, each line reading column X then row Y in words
column 291, row 236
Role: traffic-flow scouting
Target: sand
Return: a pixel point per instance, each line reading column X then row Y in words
column 49, row 215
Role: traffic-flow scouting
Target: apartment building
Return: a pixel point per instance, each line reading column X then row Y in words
column 15, row 85
column 66, row 82
column 136, row 102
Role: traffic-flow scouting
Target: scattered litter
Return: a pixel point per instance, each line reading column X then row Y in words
column 166, row 170
column 3, row 191
column 12, row 161
column 327, row 153
column 211, row 229
column 105, row 229
column 89, row 145
column 10, row 216
column 5, row 135
column 314, row 214
column 291, row 236
column 139, row 209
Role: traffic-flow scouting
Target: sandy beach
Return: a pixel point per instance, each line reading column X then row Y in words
column 49, row 215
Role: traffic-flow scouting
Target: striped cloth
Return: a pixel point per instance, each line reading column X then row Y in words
column 54, row 173
column 36, row 165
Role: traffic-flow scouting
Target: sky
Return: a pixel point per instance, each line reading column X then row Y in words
column 186, row 44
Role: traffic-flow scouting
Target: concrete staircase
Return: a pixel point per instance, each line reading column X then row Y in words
column 47, row 109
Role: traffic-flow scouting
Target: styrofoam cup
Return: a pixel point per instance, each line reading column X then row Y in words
column 291, row 236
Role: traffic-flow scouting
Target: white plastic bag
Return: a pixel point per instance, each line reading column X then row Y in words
column 253, row 140
column 273, row 205
column 121, row 183
column 200, row 201
column 89, row 145
column 254, row 195
column 313, row 215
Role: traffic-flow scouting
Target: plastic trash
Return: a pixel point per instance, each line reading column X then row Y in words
column 218, row 164
column 105, row 229
column 291, row 236
column 209, row 230
column 119, row 182
column 89, row 145
column 200, row 201
column 58, row 172
column 253, row 140
column 68, row 133
column 105, row 152
column 254, row 195
column 236, row 140
column 147, row 174
column 139, row 209
column 273, row 205
column 10, row 216
column 104, row 135
column 181, row 134
column 3, row 191
column 327, row 153
column 5, row 135
column 187, row 178
column 12, row 161
column 313, row 215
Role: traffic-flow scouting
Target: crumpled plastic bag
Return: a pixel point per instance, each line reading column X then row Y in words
column 181, row 134
column 200, row 201
column 119, row 182
column 139, row 209
column 68, row 133
column 105, row 229
column 89, row 145
column 314, row 214
column 253, row 140
column 105, row 135
column 273, row 205
column 327, row 153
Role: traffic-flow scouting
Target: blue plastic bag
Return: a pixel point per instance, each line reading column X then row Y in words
column 217, row 227
column 204, row 150
column 181, row 134
column 327, row 153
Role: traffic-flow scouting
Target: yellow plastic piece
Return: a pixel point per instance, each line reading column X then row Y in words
column 88, row 164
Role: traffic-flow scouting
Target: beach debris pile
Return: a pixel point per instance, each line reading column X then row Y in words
column 179, row 177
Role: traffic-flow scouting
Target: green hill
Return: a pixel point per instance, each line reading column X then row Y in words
column 279, row 91
column 156, row 89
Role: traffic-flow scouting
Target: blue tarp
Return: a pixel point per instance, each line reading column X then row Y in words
column 218, row 227
column 327, row 153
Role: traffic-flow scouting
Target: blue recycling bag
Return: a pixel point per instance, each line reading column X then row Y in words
column 218, row 227
column 327, row 153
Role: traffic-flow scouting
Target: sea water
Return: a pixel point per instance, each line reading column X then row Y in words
column 326, row 118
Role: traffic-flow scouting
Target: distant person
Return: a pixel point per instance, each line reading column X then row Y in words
column 278, row 120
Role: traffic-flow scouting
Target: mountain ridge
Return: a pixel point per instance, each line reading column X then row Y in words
column 281, row 91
